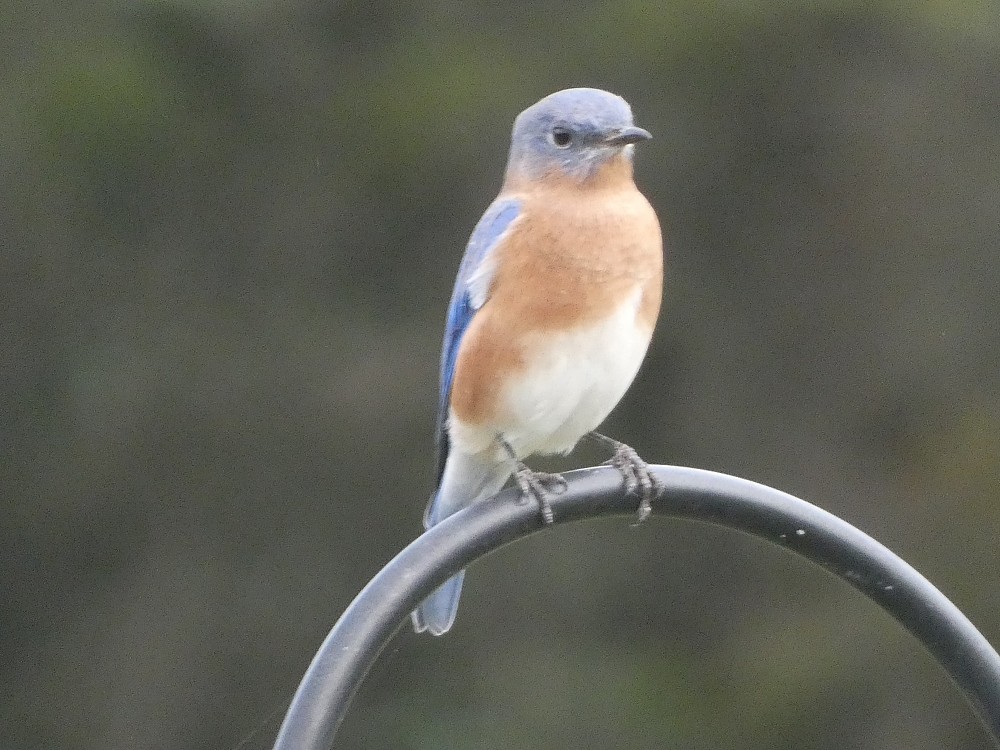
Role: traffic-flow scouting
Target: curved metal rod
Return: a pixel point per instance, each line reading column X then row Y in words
column 376, row 613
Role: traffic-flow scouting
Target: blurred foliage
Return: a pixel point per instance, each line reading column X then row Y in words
column 231, row 232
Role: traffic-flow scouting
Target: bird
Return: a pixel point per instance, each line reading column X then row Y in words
column 551, row 315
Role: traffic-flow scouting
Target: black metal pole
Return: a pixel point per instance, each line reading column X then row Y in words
column 376, row 613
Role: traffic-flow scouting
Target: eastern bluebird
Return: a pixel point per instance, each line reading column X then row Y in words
column 551, row 315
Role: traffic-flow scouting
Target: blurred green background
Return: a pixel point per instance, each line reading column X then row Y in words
column 231, row 229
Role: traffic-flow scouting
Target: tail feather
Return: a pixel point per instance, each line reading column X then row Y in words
column 436, row 613
column 466, row 480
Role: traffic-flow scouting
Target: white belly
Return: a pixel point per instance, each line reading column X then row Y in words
column 573, row 382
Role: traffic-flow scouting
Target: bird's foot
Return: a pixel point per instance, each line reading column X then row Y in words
column 636, row 474
column 534, row 485
column 537, row 486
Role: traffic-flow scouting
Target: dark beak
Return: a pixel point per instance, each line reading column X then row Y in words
column 625, row 136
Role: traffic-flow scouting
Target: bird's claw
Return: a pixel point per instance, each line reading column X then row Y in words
column 537, row 486
column 638, row 479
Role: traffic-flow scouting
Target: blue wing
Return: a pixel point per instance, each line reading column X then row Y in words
column 472, row 288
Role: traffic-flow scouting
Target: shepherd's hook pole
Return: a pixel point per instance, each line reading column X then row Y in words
column 376, row 613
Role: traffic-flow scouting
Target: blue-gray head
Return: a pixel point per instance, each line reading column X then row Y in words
column 573, row 132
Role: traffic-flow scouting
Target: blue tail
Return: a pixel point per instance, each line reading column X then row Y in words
column 436, row 613
column 466, row 479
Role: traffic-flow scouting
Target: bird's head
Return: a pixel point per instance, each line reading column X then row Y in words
column 572, row 133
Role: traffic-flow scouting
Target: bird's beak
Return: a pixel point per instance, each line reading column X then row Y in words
column 625, row 136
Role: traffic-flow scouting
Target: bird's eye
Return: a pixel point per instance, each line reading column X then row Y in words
column 561, row 137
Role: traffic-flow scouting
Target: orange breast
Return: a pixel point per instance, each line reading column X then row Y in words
column 576, row 254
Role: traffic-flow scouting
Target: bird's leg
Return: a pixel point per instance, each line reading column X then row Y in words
column 536, row 485
column 635, row 472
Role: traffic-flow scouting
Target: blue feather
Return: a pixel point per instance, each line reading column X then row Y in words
column 471, row 292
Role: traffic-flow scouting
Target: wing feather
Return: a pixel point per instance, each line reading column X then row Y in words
column 471, row 292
